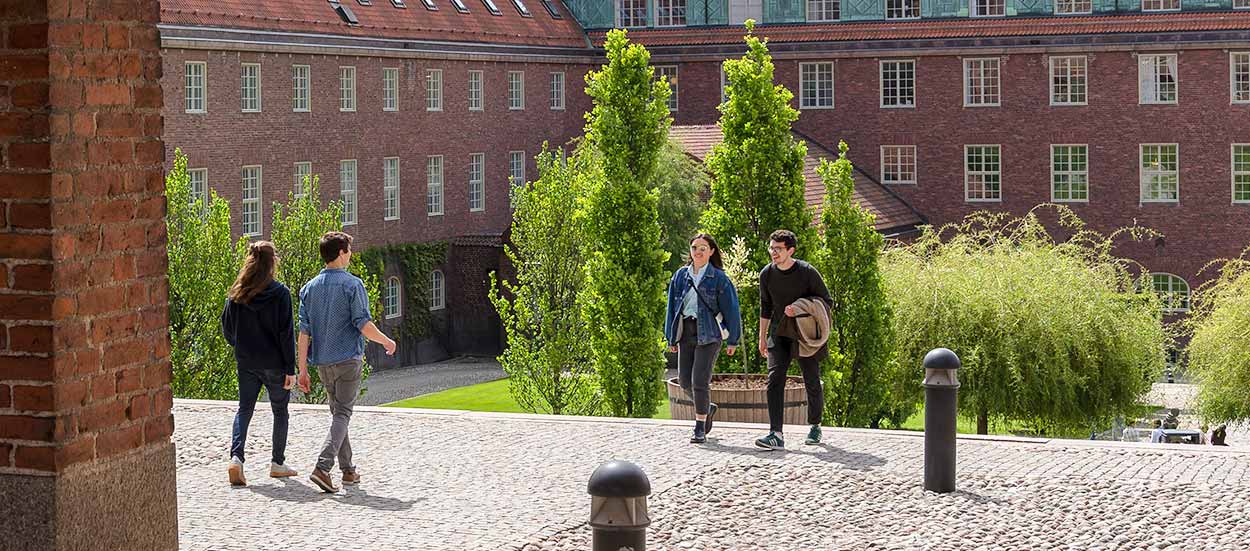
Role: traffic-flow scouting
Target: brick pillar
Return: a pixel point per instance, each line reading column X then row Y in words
column 86, row 460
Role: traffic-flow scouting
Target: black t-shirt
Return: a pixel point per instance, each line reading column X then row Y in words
column 780, row 288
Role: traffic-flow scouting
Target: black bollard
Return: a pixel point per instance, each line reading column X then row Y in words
column 941, row 394
column 618, row 507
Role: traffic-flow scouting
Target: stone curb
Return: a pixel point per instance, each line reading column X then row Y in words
column 789, row 429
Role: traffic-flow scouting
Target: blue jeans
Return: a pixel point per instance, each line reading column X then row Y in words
column 250, row 383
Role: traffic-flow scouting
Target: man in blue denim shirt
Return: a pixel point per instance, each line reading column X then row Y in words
column 334, row 314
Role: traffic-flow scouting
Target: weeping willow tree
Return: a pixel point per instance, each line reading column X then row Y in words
column 1052, row 334
column 1219, row 352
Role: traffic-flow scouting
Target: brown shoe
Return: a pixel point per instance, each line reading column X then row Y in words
column 351, row 477
column 236, row 472
column 322, row 480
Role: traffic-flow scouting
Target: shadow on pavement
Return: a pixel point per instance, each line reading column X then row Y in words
column 848, row 459
column 298, row 492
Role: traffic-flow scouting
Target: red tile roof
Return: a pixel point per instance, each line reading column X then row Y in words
column 946, row 28
column 893, row 214
column 383, row 20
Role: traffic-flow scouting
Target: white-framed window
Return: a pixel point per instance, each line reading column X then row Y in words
column 303, row 169
column 252, row 188
column 249, row 88
column 475, row 90
column 434, row 185
column 898, row 83
column 988, row 8
column 557, row 91
column 816, row 85
column 492, row 8
column 347, row 88
column 199, row 184
column 434, row 90
column 1069, row 172
column 724, row 84
column 1173, row 291
column 520, row 8
column 196, row 72
column 516, row 173
column 1241, row 172
column 983, row 180
column 823, row 10
column 1160, row 173
column 902, row 9
column 516, row 90
column 391, row 298
column 1069, row 80
column 1239, row 76
column 631, row 13
column 477, row 182
column 1156, row 78
column 1074, row 7
column 1160, row 5
column 390, row 89
column 669, row 72
column 981, row 82
column 301, row 88
column 347, row 190
column 438, row 291
column 670, row 13
column 390, row 188
column 1241, row 4
column 898, row 164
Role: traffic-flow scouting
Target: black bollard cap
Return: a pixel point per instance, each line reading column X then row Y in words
column 619, row 479
column 941, row 358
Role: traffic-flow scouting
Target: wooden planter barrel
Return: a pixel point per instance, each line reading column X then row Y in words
column 747, row 406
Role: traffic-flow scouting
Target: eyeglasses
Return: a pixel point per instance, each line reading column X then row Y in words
column 700, row 248
column 775, row 249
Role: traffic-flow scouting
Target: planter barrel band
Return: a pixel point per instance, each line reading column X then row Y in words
column 719, row 405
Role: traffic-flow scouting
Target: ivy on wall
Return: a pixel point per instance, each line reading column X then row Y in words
column 415, row 262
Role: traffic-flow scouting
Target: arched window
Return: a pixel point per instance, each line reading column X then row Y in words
column 391, row 298
column 1173, row 291
column 438, row 291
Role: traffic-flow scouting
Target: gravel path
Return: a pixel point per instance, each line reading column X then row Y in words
column 391, row 385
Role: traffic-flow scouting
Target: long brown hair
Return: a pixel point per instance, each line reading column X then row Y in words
column 715, row 259
column 258, row 271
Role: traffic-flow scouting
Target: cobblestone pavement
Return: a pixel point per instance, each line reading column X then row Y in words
column 390, row 385
column 478, row 481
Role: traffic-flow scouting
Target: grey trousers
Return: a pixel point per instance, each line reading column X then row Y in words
column 342, row 383
column 694, row 365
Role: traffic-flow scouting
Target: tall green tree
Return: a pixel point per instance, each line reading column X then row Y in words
column 203, row 262
column 548, row 356
column 757, row 169
column 623, row 297
column 860, row 340
column 1219, row 352
column 1053, row 334
column 681, row 182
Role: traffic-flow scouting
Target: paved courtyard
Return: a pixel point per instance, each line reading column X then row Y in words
column 479, row 481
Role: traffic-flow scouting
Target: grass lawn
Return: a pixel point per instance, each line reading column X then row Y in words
column 492, row 396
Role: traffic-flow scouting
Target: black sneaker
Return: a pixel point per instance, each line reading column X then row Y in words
column 813, row 436
column 711, row 412
column 699, row 437
column 771, row 442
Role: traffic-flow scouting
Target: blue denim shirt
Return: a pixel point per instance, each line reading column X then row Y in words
column 333, row 307
column 714, row 291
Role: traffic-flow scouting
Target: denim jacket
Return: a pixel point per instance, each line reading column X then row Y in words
column 715, row 291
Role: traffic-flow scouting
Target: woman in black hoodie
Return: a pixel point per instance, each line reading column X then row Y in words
column 257, row 322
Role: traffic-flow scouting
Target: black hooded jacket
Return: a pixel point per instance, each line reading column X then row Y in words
column 262, row 331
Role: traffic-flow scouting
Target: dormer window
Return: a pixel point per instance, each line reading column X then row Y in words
column 491, row 7
column 429, row 5
column 555, row 12
column 460, row 7
column 520, row 7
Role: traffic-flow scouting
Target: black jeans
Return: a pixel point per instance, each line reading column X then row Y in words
column 250, row 383
column 781, row 351
column 694, row 365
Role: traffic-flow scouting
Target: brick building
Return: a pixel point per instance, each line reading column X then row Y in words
column 1128, row 112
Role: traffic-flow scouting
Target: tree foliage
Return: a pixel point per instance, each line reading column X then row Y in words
column 681, row 183
column 1053, row 334
column 1219, row 352
column 757, row 169
column 548, row 354
column 857, row 371
column 203, row 262
column 623, row 297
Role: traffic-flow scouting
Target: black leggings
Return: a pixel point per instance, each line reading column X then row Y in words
column 694, row 365
column 779, row 356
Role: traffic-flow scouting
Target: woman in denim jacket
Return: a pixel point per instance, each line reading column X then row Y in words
column 702, row 315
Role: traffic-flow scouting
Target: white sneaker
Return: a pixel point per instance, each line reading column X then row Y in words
column 278, row 470
column 236, row 472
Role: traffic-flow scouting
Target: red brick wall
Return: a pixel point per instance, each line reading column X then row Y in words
column 1202, row 226
column 84, row 370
